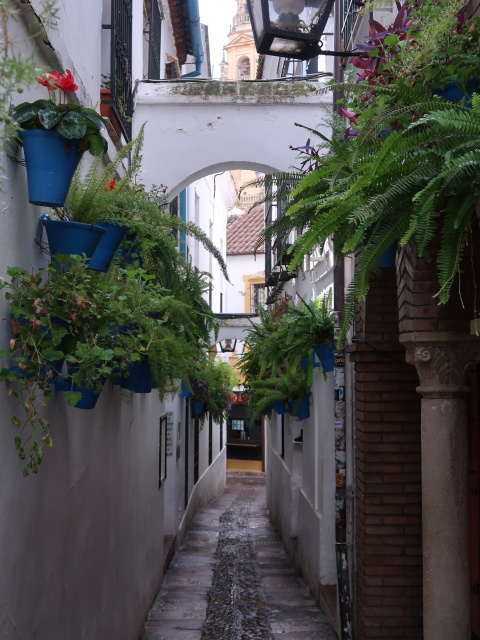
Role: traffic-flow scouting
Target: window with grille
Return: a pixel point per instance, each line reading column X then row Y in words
column 348, row 13
column 121, row 64
column 257, row 297
column 154, row 32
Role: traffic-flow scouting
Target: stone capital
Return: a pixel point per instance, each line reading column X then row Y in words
column 442, row 367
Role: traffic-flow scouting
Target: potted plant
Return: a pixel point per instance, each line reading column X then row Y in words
column 288, row 391
column 54, row 136
column 211, row 382
column 57, row 315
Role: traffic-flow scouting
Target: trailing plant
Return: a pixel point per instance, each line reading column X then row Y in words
column 100, row 323
column 100, row 195
column 291, row 383
column 210, row 383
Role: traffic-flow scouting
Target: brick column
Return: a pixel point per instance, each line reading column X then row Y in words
column 446, row 596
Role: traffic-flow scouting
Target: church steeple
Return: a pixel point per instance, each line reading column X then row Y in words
column 242, row 16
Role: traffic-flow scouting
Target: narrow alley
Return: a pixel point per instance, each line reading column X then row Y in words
column 232, row 579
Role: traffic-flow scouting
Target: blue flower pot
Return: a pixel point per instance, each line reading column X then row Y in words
column 280, row 406
column 185, row 391
column 140, row 379
column 309, row 360
column 197, row 408
column 325, row 353
column 388, row 258
column 89, row 395
column 131, row 254
column 453, row 92
column 51, row 161
column 301, row 407
column 108, row 245
column 71, row 238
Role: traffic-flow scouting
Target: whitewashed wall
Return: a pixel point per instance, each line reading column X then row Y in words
column 81, row 543
column 301, row 486
column 238, row 267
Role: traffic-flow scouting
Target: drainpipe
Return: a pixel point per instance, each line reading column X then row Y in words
column 183, row 216
column 196, row 34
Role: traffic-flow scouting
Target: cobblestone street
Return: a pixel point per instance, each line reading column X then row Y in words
column 232, row 579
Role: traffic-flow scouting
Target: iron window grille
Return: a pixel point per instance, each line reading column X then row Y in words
column 121, row 64
column 348, row 13
column 257, row 297
column 154, row 32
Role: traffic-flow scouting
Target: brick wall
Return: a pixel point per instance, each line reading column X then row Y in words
column 419, row 311
column 388, row 562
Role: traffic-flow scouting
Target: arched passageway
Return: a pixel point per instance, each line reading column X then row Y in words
column 194, row 129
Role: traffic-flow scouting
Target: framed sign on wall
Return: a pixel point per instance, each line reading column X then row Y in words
column 162, row 451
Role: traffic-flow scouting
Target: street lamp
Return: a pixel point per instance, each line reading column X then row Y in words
column 289, row 28
column 228, row 345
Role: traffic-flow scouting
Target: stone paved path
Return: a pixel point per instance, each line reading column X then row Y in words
column 232, row 579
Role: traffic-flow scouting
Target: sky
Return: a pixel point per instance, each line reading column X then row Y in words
column 218, row 15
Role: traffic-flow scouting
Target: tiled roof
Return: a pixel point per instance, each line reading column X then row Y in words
column 243, row 232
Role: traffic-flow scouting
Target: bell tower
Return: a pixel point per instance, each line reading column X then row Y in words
column 240, row 56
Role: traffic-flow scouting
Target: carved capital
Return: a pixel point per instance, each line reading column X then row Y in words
column 442, row 368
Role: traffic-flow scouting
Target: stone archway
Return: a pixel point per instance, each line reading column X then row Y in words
column 197, row 128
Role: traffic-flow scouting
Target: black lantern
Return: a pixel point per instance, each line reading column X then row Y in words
column 289, row 28
column 228, row 345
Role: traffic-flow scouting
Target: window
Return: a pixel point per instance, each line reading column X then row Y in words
column 244, row 69
column 257, row 297
column 348, row 15
column 121, row 64
column 154, row 31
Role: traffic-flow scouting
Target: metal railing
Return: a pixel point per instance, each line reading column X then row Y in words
column 121, row 64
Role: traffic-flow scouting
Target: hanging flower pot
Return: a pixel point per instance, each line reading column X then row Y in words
column 388, row 258
column 89, row 395
column 325, row 353
column 139, row 379
column 453, row 91
column 300, row 408
column 108, row 245
column 72, row 238
column 51, row 161
column 280, row 406
column 197, row 408
column 309, row 360
column 185, row 391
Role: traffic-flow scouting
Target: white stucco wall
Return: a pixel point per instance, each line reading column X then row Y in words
column 200, row 128
column 238, row 267
column 81, row 542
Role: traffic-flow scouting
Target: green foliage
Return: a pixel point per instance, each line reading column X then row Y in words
column 100, row 323
column 271, row 362
column 99, row 195
column 411, row 173
column 210, row 382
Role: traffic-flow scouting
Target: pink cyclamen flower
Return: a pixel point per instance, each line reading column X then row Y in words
column 54, row 80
